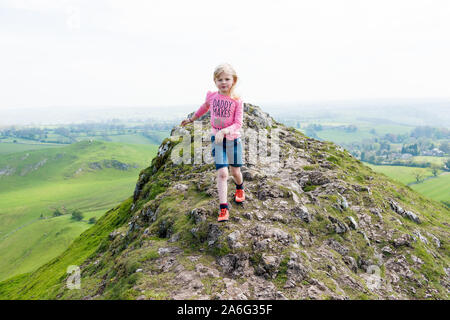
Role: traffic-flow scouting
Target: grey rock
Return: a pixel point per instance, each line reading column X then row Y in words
column 266, row 192
column 233, row 264
column 353, row 223
column 143, row 179
column 364, row 264
column 113, row 235
column 133, row 225
column 365, row 236
column 162, row 251
column 437, row 242
column 278, row 217
column 180, row 187
column 262, row 245
column 176, row 132
column 447, row 271
column 174, row 238
column 421, row 237
column 149, row 215
column 404, row 240
column 268, row 266
column 360, row 188
column 343, row 203
column 296, row 270
column 351, row 263
column 259, row 118
column 376, row 212
column 198, row 215
column 302, row 212
column 214, row 233
column 333, row 244
column 339, row 226
column 259, row 216
column 318, row 178
column 412, row 216
column 233, row 238
column 386, row 250
column 294, row 142
column 248, row 215
column 280, row 235
column 416, row 259
column 404, row 213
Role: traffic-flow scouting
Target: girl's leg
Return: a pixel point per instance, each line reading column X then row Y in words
column 237, row 174
column 239, row 196
column 222, row 184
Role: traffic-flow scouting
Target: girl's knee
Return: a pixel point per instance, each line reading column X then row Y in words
column 222, row 173
column 235, row 171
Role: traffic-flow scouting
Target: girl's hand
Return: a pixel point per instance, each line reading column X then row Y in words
column 185, row 122
column 220, row 134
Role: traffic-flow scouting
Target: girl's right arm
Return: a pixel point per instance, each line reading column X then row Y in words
column 201, row 111
column 188, row 120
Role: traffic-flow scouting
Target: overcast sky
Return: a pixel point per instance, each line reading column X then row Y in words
column 162, row 53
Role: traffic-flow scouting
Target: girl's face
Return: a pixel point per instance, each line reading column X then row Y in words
column 224, row 82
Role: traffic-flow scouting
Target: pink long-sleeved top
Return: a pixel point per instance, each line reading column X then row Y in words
column 225, row 113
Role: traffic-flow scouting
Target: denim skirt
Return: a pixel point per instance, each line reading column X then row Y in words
column 229, row 152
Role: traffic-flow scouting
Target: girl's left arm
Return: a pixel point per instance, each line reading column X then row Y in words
column 237, row 122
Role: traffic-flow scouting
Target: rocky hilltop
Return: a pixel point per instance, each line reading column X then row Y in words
column 320, row 225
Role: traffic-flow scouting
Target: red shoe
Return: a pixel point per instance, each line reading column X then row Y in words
column 239, row 196
column 223, row 215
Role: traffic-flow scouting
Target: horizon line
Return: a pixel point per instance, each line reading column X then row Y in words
column 312, row 101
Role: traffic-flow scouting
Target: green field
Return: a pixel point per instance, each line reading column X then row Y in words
column 156, row 137
column 402, row 174
column 338, row 135
column 11, row 143
column 78, row 176
column 10, row 147
column 436, row 188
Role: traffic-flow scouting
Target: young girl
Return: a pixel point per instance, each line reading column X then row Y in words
column 226, row 120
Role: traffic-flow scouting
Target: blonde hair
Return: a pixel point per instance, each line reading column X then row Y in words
column 227, row 68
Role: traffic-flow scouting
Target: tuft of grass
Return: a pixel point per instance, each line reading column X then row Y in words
column 281, row 278
column 309, row 187
column 334, row 160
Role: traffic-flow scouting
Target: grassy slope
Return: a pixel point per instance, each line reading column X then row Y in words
column 42, row 283
column 61, row 166
column 27, row 242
